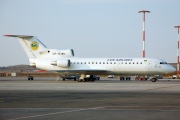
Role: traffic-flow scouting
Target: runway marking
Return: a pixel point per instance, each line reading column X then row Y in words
column 94, row 108
column 41, row 115
column 100, row 107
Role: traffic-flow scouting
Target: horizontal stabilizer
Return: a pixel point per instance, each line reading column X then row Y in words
column 20, row 36
column 31, row 45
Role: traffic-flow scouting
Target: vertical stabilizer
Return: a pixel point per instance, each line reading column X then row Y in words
column 31, row 45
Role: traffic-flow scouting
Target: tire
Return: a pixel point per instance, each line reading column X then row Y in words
column 122, row 78
column 92, row 80
column 63, row 79
column 84, row 80
column 154, row 80
column 80, row 80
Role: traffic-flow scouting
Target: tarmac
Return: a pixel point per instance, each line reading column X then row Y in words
column 106, row 99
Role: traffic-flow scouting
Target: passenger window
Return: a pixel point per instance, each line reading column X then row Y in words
column 99, row 62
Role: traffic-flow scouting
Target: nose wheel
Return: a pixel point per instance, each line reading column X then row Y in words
column 154, row 79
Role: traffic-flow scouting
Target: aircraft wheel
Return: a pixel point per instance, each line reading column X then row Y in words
column 80, row 80
column 154, row 80
column 92, row 80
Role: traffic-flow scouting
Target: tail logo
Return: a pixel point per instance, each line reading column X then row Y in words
column 34, row 45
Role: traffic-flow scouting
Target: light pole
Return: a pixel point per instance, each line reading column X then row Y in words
column 178, row 27
column 143, row 34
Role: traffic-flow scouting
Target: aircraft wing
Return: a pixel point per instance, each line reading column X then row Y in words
column 80, row 71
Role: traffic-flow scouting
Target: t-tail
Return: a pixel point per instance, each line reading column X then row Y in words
column 37, row 51
column 31, row 45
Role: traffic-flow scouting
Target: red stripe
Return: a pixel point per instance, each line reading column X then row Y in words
column 143, row 54
column 143, row 36
column 144, row 16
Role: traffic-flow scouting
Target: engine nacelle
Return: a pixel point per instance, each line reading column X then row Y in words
column 61, row 63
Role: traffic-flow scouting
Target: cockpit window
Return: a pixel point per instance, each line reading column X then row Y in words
column 163, row 63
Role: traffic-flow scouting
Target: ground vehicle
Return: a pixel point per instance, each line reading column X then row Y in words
column 30, row 77
column 74, row 77
column 125, row 78
column 110, row 76
column 91, row 78
column 138, row 77
column 158, row 77
column 174, row 77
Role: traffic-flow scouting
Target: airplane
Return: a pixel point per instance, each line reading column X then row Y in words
column 64, row 62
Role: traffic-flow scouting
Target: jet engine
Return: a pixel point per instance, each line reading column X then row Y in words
column 61, row 63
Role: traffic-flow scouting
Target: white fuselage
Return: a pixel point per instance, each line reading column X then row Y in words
column 116, row 66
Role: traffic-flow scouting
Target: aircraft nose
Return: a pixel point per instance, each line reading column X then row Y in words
column 171, row 69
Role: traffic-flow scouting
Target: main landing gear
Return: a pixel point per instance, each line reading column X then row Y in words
column 154, row 79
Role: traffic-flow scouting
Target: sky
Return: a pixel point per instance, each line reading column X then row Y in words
column 92, row 28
